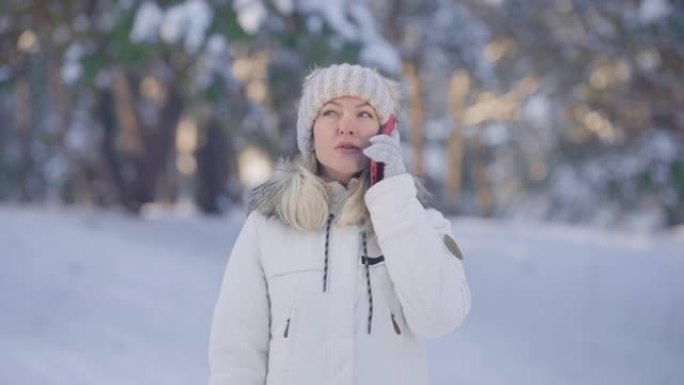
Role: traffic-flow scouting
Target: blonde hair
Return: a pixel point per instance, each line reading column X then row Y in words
column 304, row 203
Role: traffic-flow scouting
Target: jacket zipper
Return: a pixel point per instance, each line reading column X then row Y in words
column 395, row 325
column 287, row 328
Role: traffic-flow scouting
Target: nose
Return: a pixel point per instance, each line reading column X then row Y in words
column 346, row 125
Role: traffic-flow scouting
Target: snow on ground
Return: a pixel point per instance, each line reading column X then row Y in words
column 92, row 297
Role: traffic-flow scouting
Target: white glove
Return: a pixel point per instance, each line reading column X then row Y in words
column 387, row 149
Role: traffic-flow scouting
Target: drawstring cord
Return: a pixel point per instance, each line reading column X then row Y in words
column 365, row 260
column 368, row 283
column 327, row 241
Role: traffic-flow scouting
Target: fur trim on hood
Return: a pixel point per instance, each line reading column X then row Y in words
column 266, row 197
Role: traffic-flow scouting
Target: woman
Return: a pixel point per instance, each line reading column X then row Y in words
column 331, row 280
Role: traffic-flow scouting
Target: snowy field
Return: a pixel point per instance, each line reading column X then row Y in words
column 99, row 298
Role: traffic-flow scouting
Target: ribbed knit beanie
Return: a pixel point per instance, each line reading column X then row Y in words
column 324, row 84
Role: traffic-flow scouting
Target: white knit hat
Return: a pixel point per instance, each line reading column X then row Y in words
column 324, row 84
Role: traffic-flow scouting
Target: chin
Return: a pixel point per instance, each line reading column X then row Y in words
column 353, row 169
column 347, row 167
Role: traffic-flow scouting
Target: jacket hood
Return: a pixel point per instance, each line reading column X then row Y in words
column 265, row 197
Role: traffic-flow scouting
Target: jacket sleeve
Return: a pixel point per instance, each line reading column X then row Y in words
column 428, row 278
column 239, row 337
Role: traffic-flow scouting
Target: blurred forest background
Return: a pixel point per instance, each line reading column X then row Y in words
column 561, row 110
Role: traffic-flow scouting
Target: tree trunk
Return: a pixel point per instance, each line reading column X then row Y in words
column 458, row 90
column 60, row 101
column 112, row 163
column 416, row 115
column 130, row 140
column 483, row 191
column 23, row 119
column 161, row 146
column 212, row 168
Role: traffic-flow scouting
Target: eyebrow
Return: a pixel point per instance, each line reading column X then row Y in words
column 358, row 106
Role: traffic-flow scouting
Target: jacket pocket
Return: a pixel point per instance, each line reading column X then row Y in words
column 395, row 324
column 395, row 311
column 279, row 353
column 286, row 333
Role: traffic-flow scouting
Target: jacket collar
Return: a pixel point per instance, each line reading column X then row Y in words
column 265, row 197
column 338, row 193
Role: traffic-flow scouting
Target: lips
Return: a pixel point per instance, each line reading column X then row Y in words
column 347, row 148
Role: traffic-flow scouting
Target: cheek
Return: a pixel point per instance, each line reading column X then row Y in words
column 370, row 132
column 322, row 141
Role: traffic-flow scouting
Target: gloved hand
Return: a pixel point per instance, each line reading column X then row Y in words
column 387, row 149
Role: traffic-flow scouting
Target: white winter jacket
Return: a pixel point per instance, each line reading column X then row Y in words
column 274, row 323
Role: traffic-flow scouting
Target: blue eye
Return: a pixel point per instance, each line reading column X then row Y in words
column 329, row 113
column 366, row 114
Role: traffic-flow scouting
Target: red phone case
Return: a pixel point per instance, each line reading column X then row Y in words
column 377, row 169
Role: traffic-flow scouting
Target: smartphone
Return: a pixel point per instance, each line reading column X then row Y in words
column 377, row 169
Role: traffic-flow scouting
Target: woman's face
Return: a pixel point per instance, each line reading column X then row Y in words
column 341, row 131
